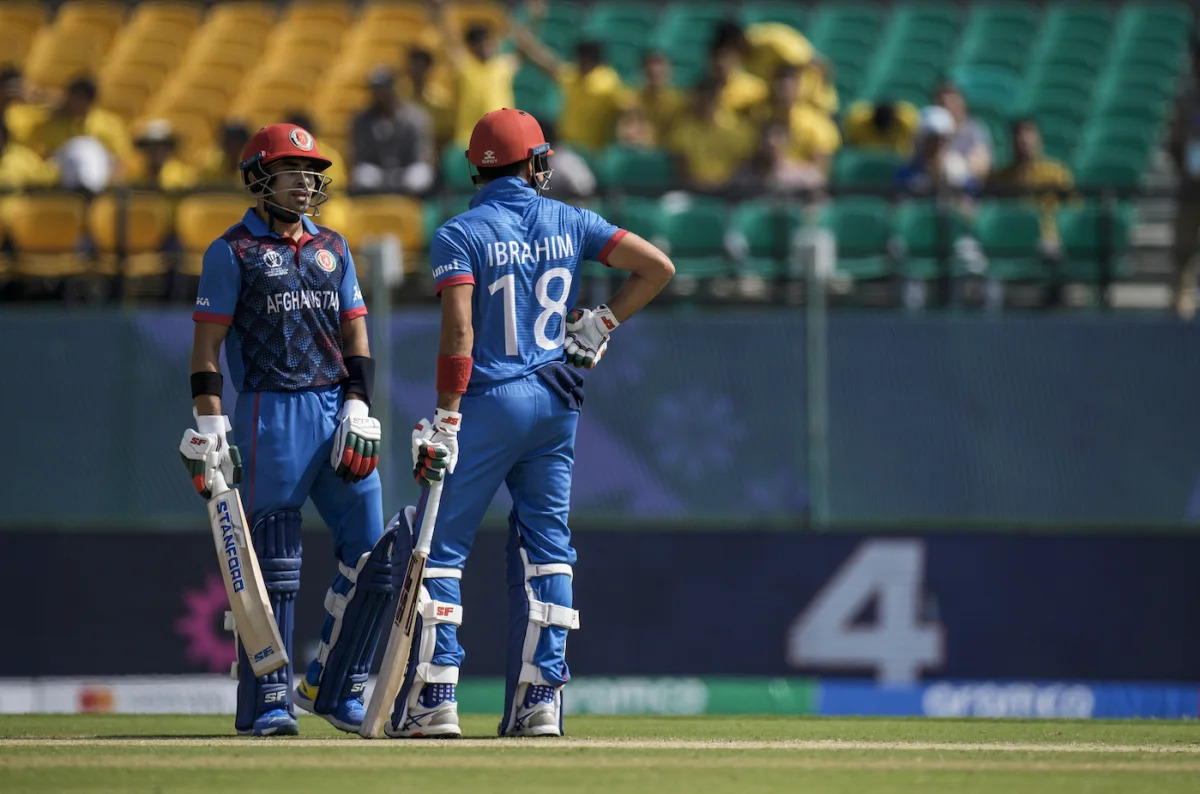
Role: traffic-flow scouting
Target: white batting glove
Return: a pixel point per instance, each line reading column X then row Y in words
column 435, row 447
column 587, row 335
column 356, row 442
column 207, row 449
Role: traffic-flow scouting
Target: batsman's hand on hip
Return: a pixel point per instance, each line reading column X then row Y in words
column 206, row 449
column 587, row 335
column 435, row 447
column 356, row 442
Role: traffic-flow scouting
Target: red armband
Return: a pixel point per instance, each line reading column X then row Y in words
column 453, row 373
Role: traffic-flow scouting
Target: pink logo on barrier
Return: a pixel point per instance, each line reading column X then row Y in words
column 207, row 644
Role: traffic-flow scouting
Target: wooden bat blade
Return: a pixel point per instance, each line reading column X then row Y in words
column 399, row 646
column 253, row 617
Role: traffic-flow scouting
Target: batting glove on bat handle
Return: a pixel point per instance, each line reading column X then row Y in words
column 435, row 447
column 206, row 450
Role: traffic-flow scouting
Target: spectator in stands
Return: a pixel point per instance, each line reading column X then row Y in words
column 483, row 79
column 77, row 116
column 392, row 141
column 20, row 166
column 21, row 116
column 740, row 91
column 155, row 164
column 970, row 139
column 888, row 126
column 813, row 137
column 1032, row 170
column 766, row 46
column 773, row 169
column 935, row 165
column 710, row 140
column 661, row 102
column 422, row 87
column 1184, row 146
column 635, row 130
column 222, row 163
column 592, row 92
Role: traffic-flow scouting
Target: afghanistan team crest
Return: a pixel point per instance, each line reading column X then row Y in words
column 301, row 140
column 326, row 261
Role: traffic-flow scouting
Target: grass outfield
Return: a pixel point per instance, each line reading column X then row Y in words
column 663, row 755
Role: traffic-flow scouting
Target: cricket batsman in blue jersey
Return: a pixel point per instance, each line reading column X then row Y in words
column 507, row 408
column 281, row 293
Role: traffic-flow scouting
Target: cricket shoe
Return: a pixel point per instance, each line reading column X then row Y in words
column 276, row 722
column 433, row 714
column 348, row 716
column 539, row 713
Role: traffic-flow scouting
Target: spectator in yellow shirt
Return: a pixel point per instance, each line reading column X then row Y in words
column 813, row 137
column 765, row 46
column 661, row 102
column 222, row 163
column 1048, row 179
column 483, row 79
column 890, row 126
column 711, row 141
column 740, row 91
column 20, row 116
column 20, row 166
column 592, row 92
column 155, row 165
column 77, row 116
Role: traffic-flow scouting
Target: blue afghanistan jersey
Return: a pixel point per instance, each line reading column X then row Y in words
column 522, row 253
column 284, row 301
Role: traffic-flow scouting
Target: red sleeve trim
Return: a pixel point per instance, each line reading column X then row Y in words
column 209, row 317
column 610, row 245
column 350, row 314
column 465, row 278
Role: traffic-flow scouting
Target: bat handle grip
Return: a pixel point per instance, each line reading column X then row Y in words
column 218, row 484
column 429, row 517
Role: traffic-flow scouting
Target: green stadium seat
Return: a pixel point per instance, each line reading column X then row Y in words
column 1103, row 169
column 1120, row 133
column 987, row 89
column 1002, row 16
column 693, row 233
column 762, row 232
column 614, row 21
column 1086, row 231
column 1010, row 235
column 1077, row 21
column 785, row 11
column 454, row 170
column 636, row 169
column 1134, row 107
column 536, row 92
column 929, row 235
column 1071, row 53
column 637, row 214
column 1007, row 53
column 998, row 130
column 1059, row 137
column 865, row 168
column 846, row 22
column 1060, row 74
column 1155, row 15
column 862, row 231
column 1120, row 83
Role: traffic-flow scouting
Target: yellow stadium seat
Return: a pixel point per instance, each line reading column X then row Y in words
column 15, row 44
column 167, row 31
column 257, row 18
column 202, row 218
column 27, row 17
column 145, row 225
column 161, row 55
column 195, row 130
column 91, row 16
column 127, row 100
column 318, row 13
column 374, row 216
column 45, row 229
column 152, row 13
column 57, row 57
column 411, row 15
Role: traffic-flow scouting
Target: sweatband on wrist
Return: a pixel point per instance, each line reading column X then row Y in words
column 360, row 377
column 453, row 373
column 207, row 383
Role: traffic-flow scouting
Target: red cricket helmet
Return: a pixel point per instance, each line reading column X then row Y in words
column 506, row 136
column 277, row 141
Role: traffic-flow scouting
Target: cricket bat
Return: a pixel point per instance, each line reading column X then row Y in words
column 254, row 620
column 395, row 658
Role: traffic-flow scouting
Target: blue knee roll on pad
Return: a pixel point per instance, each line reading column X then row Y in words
column 358, row 605
column 277, row 543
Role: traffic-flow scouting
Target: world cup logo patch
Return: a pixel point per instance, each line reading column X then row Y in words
column 301, row 140
column 326, row 261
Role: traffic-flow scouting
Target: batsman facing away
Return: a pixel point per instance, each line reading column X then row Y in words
column 507, row 409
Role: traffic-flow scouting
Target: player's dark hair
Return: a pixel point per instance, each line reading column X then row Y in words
column 488, row 173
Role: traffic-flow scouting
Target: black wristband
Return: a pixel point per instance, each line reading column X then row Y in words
column 207, row 383
column 360, row 377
